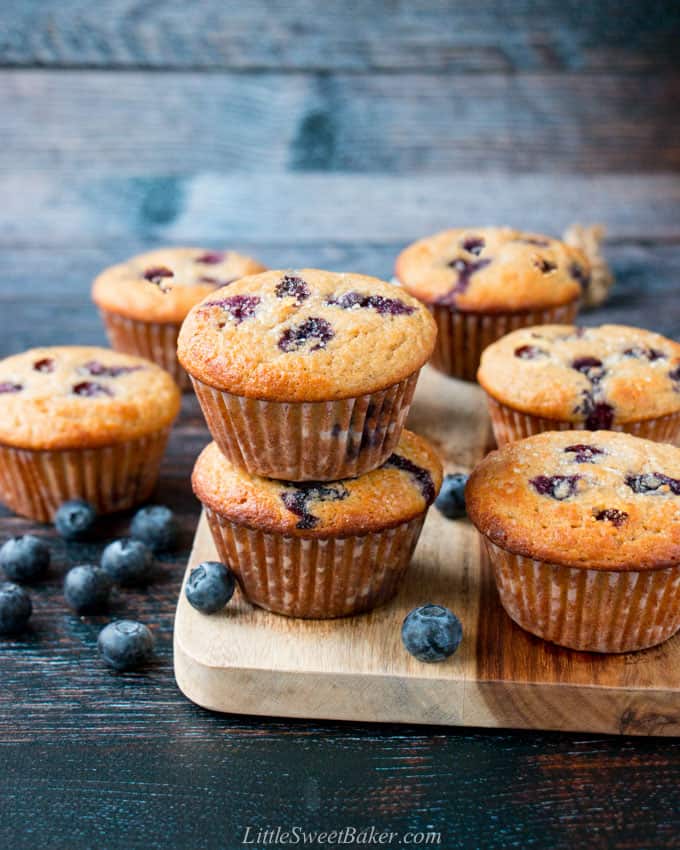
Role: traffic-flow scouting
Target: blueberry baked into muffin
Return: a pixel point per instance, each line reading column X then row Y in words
column 144, row 300
column 306, row 375
column 482, row 283
column 557, row 377
column 583, row 532
column 319, row 549
column 80, row 422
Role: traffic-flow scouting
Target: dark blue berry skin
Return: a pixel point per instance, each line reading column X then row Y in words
column 74, row 519
column 15, row 608
column 451, row 499
column 128, row 562
column 431, row 633
column 210, row 586
column 24, row 558
column 87, row 588
column 125, row 644
column 155, row 525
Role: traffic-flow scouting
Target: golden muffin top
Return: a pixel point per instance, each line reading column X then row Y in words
column 598, row 377
column 163, row 285
column 65, row 397
column 492, row 270
column 598, row 500
column 306, row 335
column 400, row 490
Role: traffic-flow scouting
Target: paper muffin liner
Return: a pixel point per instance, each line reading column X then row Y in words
column 307, row 441
column 462, row 337
column 509, row 425
column 316, row 578
column 591, row 610
column 111, row 478
column 157, row 341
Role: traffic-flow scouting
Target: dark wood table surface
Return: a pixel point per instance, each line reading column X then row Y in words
column 310, row 134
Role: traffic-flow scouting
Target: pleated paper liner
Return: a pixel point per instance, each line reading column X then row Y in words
column 157, row 341
column 585, row 609
column 112, row 478
column 316, row 577
column 307, row 441
column 510, row 425
column 462, row 337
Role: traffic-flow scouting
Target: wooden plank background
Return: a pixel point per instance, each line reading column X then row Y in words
column 330, row 134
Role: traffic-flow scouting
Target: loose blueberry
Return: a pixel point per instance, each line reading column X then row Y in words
column 420, row 475
column 451, row 499
column 128, row 562
column 87, row 588
column 431, row 633
column 314, row 329
column 125, row 644
column 558, row 487
column 613, row 515
column 210, row 586
column 530, row 352
column 15, row 608
column 74, row 519
column 44, row 365
column 9, row 387
column 156, row 526
column 24, row 558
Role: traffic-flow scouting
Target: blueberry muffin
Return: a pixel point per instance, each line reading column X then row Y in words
column 144, row 301
column 480, row 284
column 319, row 549
column 583, row 531
column 557, row 377
column 81, row 423
column 306, row 375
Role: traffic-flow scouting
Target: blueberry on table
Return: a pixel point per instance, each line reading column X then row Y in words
column 210, row 586
column 24, row 558
column 128, row 562
column 431, row 633
column 74, row 519
column 451, row 499
column 125, row 644
column 87, row 588
column 15, row 608
column 155, row 525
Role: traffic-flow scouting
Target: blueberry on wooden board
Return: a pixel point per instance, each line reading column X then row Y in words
column 156, row 526
column 210, row 586
column 15, row 608
column 451, row 499
column 24, row 558
column 87, row 588
column 125, row 644
column 74, row 519
column 128, row 562
column 431, row 633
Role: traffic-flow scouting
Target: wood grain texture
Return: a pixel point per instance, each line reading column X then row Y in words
column 183, row 123
column 118, row 214
column 299, row 35
column 247, row 660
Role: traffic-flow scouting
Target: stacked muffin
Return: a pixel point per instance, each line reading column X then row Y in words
column 314, row 493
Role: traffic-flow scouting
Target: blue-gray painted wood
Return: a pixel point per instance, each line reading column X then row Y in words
column 394, row 35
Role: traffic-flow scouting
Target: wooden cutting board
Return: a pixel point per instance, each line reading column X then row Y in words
column 249, row 661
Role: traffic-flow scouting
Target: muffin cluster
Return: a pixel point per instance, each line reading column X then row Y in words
column 314, row 493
